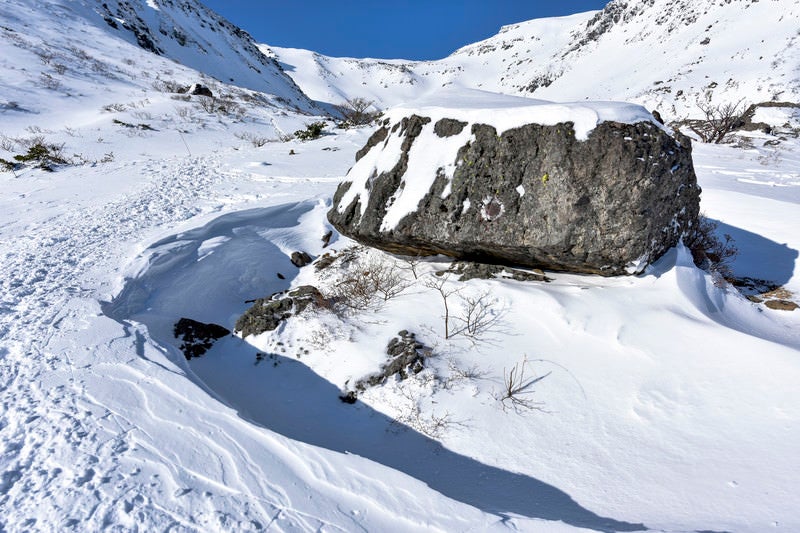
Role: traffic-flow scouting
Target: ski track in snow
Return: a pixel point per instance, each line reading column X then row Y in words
column 56, row 439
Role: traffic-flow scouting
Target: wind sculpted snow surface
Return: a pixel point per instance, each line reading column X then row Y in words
column 666, row 403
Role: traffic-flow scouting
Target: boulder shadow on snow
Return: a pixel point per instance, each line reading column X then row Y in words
column 760, row 257
column 289, row 398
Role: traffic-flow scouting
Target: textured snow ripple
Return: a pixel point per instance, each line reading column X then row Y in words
column 55, row 440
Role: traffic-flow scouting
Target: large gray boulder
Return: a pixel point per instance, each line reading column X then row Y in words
column 605, row 202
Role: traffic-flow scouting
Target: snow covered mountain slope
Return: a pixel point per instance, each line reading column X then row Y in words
column 662, row 54
column 182, row 31
column 482, row 65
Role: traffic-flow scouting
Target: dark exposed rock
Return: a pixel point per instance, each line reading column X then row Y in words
column 197, row 337
column 378, row 137
column 266, row 314
column 447, row 127
column 536, row 196
column 747, row 116
column 326, row 239
column 781, row 305
column 657, row 116
column 406, row 356
column 300, row 259
column 324, row 261
column 197, row 89
column 348, row 397
column 467, row 271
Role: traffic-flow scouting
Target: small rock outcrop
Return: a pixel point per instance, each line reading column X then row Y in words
column 467, row 271
column 266, row 314
column 300, row 259
column 197, row 89
column 540, row 196
column 406, row 356
column 197, row 337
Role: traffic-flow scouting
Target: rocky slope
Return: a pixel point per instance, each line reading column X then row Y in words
column 183, row 31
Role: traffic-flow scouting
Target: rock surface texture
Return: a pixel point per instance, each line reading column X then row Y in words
column 606, row 201
column 266, row 314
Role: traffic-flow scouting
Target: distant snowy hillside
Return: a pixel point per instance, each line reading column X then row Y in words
column 482, row 65
column 101, row 33
column 662, row 54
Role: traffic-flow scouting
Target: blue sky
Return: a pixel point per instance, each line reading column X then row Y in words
column 398, row 29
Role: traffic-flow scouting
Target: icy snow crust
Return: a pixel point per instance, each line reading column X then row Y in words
column 431, row 154
column 672, row 403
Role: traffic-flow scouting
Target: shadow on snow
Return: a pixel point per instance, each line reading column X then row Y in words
column 208, row 272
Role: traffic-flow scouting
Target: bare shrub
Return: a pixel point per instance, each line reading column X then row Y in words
column 60, row 68
column 46, row 57
column 460, row 374
column 114, row 108
column 49, row 82
column 356, row 111
column 168, row 86
column 710, row 251
column 412, row 265
column 185, row 113
column 718, row 120
column 445, row 291
column 410, row 414
column 256, row 140
column 27, row 142
column 99, row 67
column 207, row 104
column 479, row 316
column 517, row 386
column 368, row 285
column 7, row 143
column 143, row 115
column 79, row 53
column 229, row 108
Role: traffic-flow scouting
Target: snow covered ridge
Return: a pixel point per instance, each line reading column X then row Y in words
column 183, row 31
